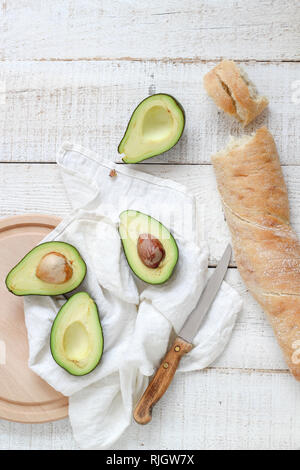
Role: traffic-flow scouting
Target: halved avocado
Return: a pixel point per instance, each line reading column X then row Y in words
column 149, row 247
column 51, row 268
column 76, row 337
column 155, row 126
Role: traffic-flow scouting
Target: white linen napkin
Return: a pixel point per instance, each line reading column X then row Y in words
column 137, row 319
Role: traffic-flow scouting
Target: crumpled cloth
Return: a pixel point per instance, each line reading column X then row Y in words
column 138, row 320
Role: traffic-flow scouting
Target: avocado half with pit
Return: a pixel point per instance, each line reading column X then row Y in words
column 149, row 247
column 51, row 268
column 76, row 337
column 155, row 126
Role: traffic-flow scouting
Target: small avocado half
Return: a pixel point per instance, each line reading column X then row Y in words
column 155, row 126
column 51, row 268
column 149, row 247
column 76, row 337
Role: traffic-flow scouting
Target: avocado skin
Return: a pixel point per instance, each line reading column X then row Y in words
column 52, row 328
column 27, row 254
column 152, row 282
column 150, row 96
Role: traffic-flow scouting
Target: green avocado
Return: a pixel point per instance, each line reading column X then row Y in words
column 76, row 337
column 155, row 126
column 150, row 249
column 51, row 268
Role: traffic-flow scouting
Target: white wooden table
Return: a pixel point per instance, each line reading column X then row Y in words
column 73, row 70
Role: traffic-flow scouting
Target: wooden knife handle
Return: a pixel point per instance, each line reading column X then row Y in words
column 161, row 380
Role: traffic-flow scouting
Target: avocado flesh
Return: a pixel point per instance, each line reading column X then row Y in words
column 22, row 279
column 76, row 337
column 132, row 225
column 155, row 126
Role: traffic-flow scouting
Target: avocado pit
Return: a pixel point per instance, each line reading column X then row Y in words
column 54, row 268
column 150, row 250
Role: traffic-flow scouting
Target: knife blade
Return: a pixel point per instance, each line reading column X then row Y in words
column 194, row 320
column 182, row 344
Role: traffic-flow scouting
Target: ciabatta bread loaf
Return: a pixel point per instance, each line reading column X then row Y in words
column 267, row 251
column 230, row 88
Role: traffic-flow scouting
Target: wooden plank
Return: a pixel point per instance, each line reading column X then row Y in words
column 90, row 103
column 213, row 409
column 252, row 345
column 223, row 410
column 49, row 436
column 110, row 29
column 38, row 188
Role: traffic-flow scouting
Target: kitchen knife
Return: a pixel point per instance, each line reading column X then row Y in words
column 182, row 344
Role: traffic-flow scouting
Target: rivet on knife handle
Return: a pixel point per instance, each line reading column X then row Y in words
column 161, row 380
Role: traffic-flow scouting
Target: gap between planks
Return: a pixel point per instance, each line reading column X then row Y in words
column 246, row 370
column 164, row 60
column 17, row 162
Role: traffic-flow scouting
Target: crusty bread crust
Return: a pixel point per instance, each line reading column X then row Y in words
column 229, row 87
column 214, row 88
column 267, row 250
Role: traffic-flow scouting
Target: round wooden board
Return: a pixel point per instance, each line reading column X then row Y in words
column 24, row 397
